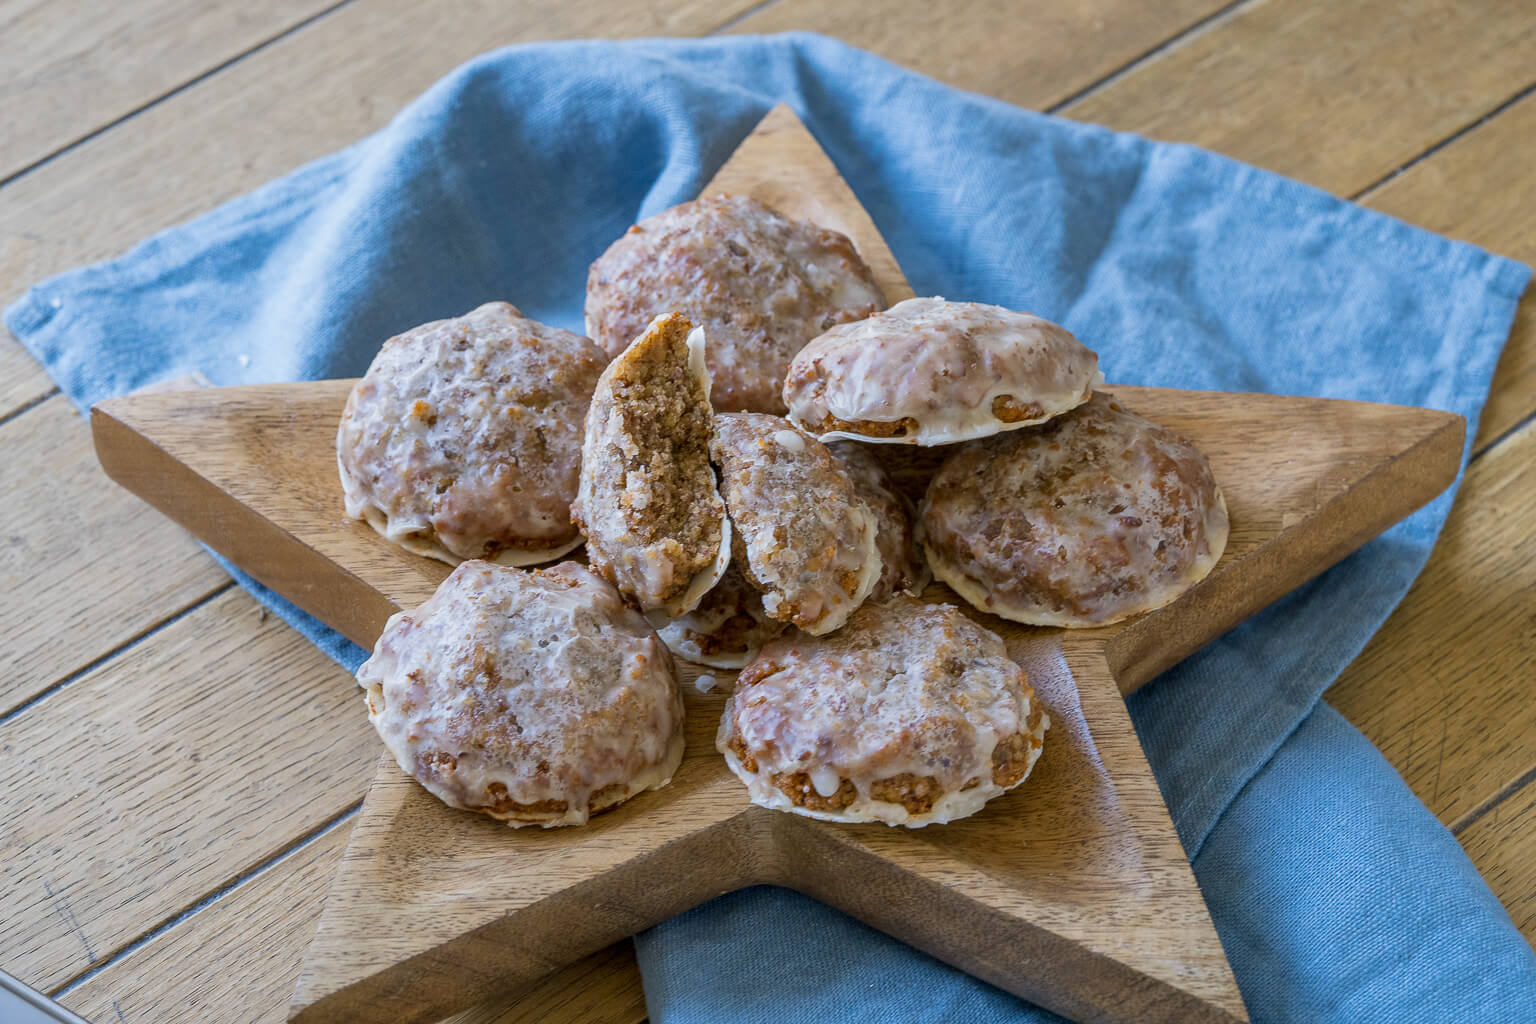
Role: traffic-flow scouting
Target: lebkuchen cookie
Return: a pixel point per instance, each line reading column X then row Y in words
column 728, row 627
column 1090, row 519
column 902, row 566
column 911, row 714
column 760, row 284
column 538, row 698
column 930, row 372
column 463, row 440
column 802, row 536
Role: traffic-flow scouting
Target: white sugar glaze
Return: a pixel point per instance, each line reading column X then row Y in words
column 1095, row 517
column 940, row 365
column 463, row 440
column 761, row 284
column 526, row 696
column 906, row 691
column 808, row 539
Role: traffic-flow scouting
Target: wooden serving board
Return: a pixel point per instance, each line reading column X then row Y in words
column 1071, row 891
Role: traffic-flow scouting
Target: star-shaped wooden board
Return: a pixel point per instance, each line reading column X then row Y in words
column 1071, row 891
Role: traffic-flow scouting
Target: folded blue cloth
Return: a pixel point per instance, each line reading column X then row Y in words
column 1336, row 894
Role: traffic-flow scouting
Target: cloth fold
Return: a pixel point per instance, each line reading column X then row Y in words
column 1336, row 894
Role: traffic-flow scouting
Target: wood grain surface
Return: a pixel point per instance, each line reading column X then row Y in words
column 98, row 846
column 1303, row 88
column 250, row 471
column 72, row 69
column 1502, row 844
column 329, row 83
column 183, row 973
column 1274, row 73
column 1481, row 188
column 1349, row 460
column 97, row 541
column 282, row 903
column 1037, row 56
column 204, row 140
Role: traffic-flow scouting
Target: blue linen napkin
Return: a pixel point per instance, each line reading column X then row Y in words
column 1336, row 894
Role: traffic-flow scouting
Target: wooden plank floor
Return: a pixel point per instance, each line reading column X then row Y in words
column 182, row 879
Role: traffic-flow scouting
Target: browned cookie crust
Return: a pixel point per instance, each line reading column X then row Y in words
column 928, row 371
column 803, row 537
column 647, row 502
column 533, row 697
column 863, row 429
column 1092, row 518
column 911, row 714
column 464, row 438
column 902, row 566
column 760, row 284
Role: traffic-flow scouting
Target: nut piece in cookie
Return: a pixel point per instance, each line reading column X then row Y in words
column 928, row 371
column 464, row 438
column 654, row 521
column 761, row 286
column 533, row 697
column 803, row 537
column 902, row 566
column 911, row 714
column 1090, row 519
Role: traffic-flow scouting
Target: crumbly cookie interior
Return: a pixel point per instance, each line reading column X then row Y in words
column 657, row 401
column 647, row 502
